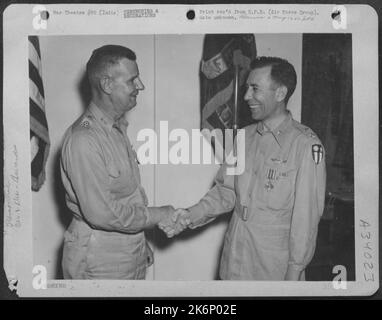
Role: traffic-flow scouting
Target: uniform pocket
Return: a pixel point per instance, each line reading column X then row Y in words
column 279, row 183
column 74, row 259
column 122, row 181
column 113, row 170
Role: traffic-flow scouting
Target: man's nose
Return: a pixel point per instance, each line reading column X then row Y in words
column 248, row 94
column 139, row 84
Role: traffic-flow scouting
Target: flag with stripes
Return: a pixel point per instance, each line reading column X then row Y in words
column 39, row 136
column 221, row 52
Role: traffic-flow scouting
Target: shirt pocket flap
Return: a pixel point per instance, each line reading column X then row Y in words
column 113, row 170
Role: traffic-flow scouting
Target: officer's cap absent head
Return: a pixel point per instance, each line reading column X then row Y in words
column 105, row 57
column 282, row 72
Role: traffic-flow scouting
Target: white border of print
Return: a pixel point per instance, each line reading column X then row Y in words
column 21, row 20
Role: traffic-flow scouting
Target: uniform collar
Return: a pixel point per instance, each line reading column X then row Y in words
column 105, row 120
column 279, row 133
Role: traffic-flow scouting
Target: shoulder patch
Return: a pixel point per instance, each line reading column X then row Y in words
column 317, row 153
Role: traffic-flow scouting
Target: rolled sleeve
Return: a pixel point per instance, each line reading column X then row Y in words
column 308, row 208
column 90, row 182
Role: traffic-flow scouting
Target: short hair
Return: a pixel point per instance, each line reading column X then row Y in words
column 282, row 72
column 105, row 57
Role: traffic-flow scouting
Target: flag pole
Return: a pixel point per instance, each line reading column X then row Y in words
column 235, row 107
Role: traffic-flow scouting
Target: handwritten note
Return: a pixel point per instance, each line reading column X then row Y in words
column 12, row 192
column 367, row 251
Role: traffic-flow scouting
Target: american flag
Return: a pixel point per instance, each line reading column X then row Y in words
column 39, row 135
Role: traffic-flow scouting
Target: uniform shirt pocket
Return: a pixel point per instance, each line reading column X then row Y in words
column 279, row 185
column 122, row 181
column 113, row 170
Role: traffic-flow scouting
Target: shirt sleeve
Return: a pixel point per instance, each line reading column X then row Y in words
column 218, row 200
column 308, row 206
column 88, row 175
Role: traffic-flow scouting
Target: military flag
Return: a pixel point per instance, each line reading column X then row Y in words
column 223, row 56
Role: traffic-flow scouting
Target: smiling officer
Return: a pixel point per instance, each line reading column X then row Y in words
column 279, row 199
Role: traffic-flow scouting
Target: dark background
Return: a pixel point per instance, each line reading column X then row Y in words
column 327, row 108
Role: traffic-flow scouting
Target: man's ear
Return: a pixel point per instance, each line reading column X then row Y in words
column 281, row 93
column 105, row 84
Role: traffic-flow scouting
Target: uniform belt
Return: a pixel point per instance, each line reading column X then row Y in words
column 242, row 212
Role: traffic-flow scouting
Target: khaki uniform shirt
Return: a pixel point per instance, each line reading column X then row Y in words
column 103, row 190
column 278, row 201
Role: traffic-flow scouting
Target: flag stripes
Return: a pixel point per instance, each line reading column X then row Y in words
column 36, row 96
column 35, row 77
column 38, row 122
column 34, row 57
column 33, row 40
column 38, row 116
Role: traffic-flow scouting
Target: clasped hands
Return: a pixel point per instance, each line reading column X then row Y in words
column 174, row 221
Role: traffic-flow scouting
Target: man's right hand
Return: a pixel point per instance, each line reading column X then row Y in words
column 177, row 222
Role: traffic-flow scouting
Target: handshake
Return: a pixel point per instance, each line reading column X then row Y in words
column 174, row 221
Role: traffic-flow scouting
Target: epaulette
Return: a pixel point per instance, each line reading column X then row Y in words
column 86, row 121
column 305, row 130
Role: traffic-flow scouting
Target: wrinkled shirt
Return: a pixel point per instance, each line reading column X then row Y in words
column 278, row 201
column 101, row 176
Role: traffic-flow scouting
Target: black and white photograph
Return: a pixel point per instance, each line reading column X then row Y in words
column 192, row 158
